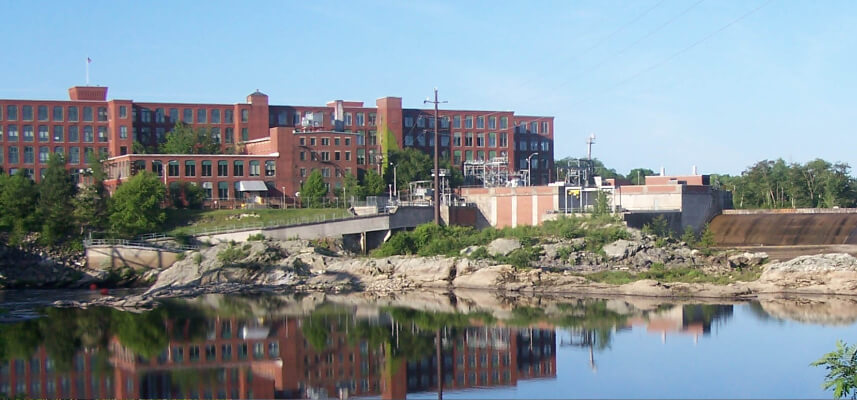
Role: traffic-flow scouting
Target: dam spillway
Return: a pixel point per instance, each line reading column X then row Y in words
column 785, row 227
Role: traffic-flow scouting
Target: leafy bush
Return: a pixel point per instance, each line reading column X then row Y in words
column 197, row 258
column 180, row 256
column 841, row 365
column 479, row 254
column 232, row 254
column 256, row 237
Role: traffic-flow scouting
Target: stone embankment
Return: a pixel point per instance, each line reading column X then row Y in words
column 297, row 266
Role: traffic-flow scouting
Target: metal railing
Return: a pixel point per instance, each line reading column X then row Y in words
column 315, row 219
column 134, row 243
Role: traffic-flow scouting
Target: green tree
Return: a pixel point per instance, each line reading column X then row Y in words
column 637, row 176
column 313, row 189
column 373, row 184
column 841, row 365
column 186, row 195
column 410, row 165
column 18, row 204
column 135, row 207
column 183, row 139
column 602, row 204
column 54, row 208
column 351, row 186
column 90, row 203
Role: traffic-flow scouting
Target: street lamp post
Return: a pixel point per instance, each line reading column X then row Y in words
column 284, row 198
column 530, row 168
column 395, row 188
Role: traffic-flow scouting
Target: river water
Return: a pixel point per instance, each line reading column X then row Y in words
column 488, row 347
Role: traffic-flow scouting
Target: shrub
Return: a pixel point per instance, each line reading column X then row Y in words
column 479, row 254
column 180, row 256
column 232, row 254
column 197, row 258
column 256, row 237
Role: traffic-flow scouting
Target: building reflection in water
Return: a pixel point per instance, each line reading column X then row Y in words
column 335, row 355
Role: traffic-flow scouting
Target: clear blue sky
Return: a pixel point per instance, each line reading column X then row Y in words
column 668, row 83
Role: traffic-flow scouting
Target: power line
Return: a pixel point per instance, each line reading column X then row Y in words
column 681, row 51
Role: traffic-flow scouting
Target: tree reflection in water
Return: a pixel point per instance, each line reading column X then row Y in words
column 238, row 347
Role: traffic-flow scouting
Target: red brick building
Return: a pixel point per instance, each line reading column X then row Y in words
column 272, row 145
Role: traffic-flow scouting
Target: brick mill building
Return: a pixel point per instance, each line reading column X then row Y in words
column 267, row 150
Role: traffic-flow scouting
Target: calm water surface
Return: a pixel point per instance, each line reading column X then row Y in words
column 490, row 347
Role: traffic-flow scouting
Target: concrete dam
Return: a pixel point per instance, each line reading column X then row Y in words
column 790, row 227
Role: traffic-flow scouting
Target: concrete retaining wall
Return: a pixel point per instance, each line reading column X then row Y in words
column 138, row 258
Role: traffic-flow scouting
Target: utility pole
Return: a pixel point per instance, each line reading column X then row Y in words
column 435, row 192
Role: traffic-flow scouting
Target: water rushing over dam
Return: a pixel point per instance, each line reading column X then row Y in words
column 785, row 227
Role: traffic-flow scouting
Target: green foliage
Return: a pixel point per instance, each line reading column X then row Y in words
column 351, row 186
column 602, row 204
column 136, row 205
column 313, row 190
column 411, row 165
column 521, row 258
column 776, row 184
column 480, row 253
column 659, row 227
column 637, row 176
column 183, row 139
column 181, row 256
column 232, row 255
column 373, row 184
column 841, row 366
column 186, row 195
column 91, row 203
column 678, row 274
column 17, row 204
column 197, row 258
column 689, row 236
column 54, row 208
column 706, row 240
column 256, row 237
column 144, row 333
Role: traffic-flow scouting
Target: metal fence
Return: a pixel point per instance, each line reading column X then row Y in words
column 134, row 243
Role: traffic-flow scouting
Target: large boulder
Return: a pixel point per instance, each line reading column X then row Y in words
column 503, row 246
column 621, row 249
column 823, row 274
column 483, row 278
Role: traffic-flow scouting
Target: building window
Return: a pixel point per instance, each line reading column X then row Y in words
column 88, row 136
column 303, row 172
column 189, row 168
column 228, row 116
column 480, row 140
column 336, row 156
column 158, row 168
column 12, row 133
column 27, row 113
column 325, row 141
column 468, row 155
column 145, row 115
column 336, row 141
column 492, row 139
column 201, row 116
column 28, row 133
column 456, row 121
column 11, row 113
column 245, row 115
column 187, row 116
column 480, row 122
column 215, row 116
column 255, row 170
column 123, row 132
column 222, row 193
column 206, row 168
column 361, row 156
column 73, row 134
column 421, row 122
column 58, row 113
column 325, row 156
column 444, row 122
column 102, row 134
column 102, row 114
column 468, row 122
column 13, row 155
column 42, row 113
column 230, row 136
column 373, row 138
column 159, row 115
column 534, row 127
column 468, row 139
column 72, row 114
column 174, row 115
column 534, row 145
column 360, row 120
column 173, row 168
column 456, row 139
column 44, row 153
column 222, row 168
column 87, row 114
column 270, row 168
column 236, row 190
column 44, row 136
column 59, row 137
column 245, row 136
column 29, row 155
column 215, row 135
column 545, row 145
column 492, row 122
column 348, row 119
column 480, row 155
column 504, row 139
column 238, row 168
column 123, row 112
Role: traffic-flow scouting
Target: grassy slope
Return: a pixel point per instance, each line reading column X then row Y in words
column 186, row 221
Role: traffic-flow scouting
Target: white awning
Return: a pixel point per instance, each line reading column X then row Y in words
column 252, row 186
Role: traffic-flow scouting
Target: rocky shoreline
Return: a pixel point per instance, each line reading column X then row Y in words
column 298, row 266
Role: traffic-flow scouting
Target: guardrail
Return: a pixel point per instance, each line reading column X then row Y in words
column 134, row 243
